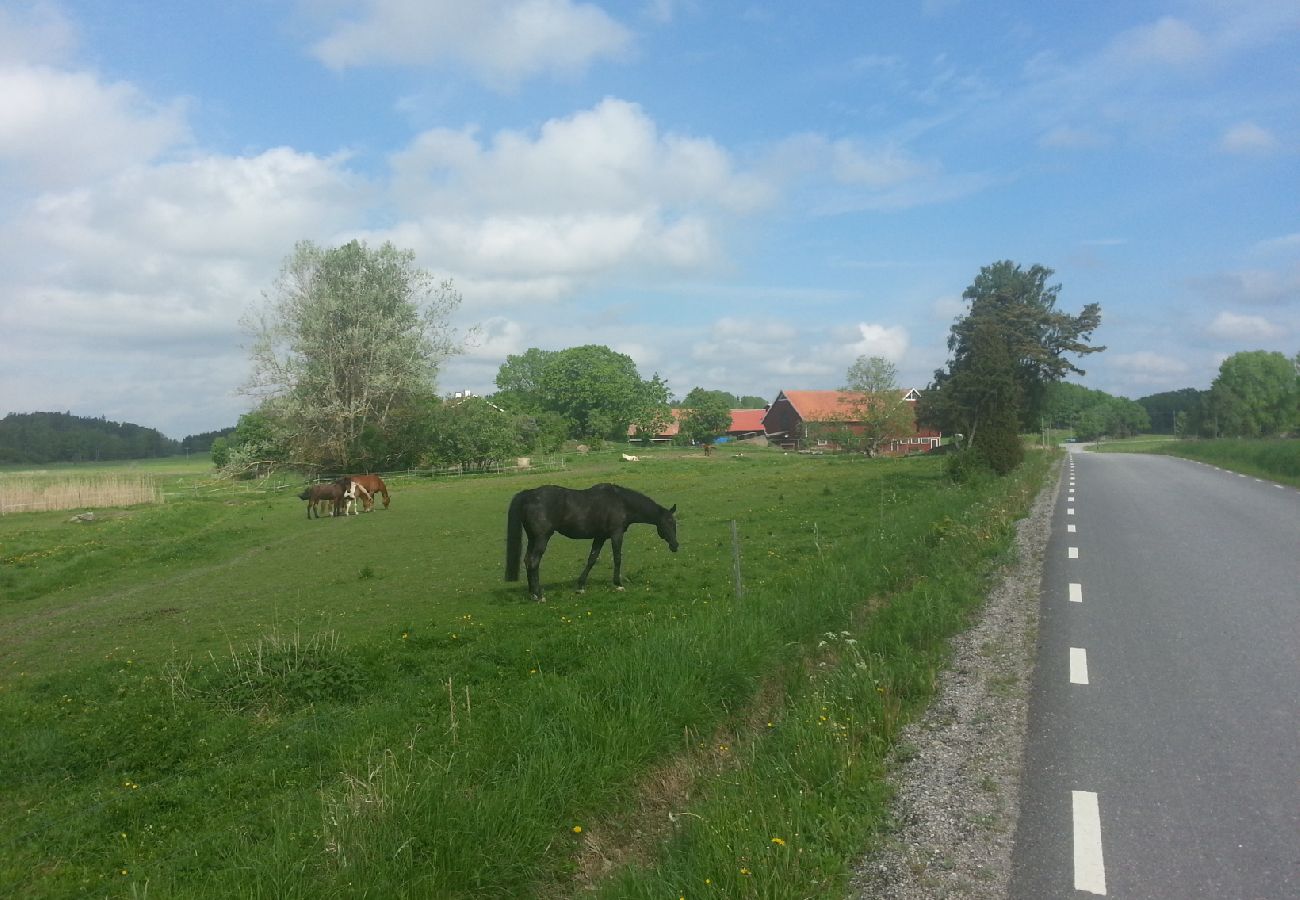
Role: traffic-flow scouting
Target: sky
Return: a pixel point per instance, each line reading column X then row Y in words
column 741, row 196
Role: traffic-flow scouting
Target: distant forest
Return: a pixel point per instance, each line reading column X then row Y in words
column 49, row 437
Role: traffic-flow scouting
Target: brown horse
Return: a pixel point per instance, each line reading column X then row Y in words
column 373, row 485
column 320, row 494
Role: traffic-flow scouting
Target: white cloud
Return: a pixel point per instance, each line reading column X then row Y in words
column 36, row 32
column 1287, row 244
column 1149, row 365
column 501, row 41
column 598, row 192
column 149, row 227
column 1248, row 139
column 879, row 340
column 1230, row 326
column 1252, row 287
column 609, row 157
column 1167, row 42
column 60, row 128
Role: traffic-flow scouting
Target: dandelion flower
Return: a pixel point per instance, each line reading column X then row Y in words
column 577, row 829
column 778, row 841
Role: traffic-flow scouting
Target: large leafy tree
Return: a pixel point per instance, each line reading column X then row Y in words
column 1016, row 309
column 732, row 401
column 348, row 336
column 878, row 411
column 519, row 381
column 706, row 415
column 595, row 390
column 1255, row 395
column 474, row 434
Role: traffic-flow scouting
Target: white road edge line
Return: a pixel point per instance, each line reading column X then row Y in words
column 1076, row 592
column 1078, row 665
column 1089, row 867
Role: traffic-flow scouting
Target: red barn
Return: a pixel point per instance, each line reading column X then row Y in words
column 787, row 419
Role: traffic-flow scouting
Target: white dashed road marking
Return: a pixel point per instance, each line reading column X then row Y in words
column 1074, row 553
column 1078, row 665
column 1076, row 592
column 1089, row 867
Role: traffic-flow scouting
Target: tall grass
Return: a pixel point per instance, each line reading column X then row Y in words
column 30, row 494
column 268, row 706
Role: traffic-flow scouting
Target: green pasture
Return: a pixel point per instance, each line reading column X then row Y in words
column 217, row 697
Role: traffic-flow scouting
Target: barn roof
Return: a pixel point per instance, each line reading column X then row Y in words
column 671, row 430
column 814, row 406
column 747, row 419
column 818, row 406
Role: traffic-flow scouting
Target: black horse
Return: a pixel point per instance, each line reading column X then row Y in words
column 601, row 512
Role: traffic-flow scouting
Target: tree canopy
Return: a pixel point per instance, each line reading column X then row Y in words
column 706, row 416
column 1255, row 395
column 1005, row 352
column 348, row 336
column 880, row 413
column 596, row 391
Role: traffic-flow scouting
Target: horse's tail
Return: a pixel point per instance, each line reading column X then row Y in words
column 514, row 537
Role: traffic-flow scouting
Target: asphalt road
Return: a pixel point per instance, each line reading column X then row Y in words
column 1164, row 749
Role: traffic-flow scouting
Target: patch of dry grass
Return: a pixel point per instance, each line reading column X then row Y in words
column 34, row 494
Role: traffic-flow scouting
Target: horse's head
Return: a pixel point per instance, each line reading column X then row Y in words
column 305, row 494
column 667, row 527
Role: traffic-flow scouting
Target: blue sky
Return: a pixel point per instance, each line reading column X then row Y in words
column 741, row 196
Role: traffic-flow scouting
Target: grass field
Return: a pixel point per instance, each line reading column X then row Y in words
column 217, row 697
column 1277, row 459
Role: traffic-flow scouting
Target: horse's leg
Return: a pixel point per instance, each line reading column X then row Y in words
column 591, row 561
column 616, row 540
column 533, row 562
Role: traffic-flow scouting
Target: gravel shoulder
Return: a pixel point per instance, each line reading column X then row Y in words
column 957, row 769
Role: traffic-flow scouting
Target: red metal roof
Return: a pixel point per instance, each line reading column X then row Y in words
column 746, row 420
column 815, row 406
column 671, row 430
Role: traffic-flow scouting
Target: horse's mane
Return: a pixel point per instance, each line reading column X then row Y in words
column 634, row 499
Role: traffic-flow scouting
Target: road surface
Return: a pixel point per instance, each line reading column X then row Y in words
column 1164, row 748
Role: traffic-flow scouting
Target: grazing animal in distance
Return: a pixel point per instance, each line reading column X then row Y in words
column 354, row 493
column 599, row 513
column 331, row 493
column 373, row 484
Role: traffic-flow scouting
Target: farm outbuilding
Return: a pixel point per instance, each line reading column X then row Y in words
column 745, row 424
column 788, row 419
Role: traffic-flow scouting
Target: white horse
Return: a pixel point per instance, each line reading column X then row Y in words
column 354, row 493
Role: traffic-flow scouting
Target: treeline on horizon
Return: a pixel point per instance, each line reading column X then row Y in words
column 50, row 437
column 38, row 438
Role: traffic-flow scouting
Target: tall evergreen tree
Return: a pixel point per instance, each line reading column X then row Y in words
column 984, row 385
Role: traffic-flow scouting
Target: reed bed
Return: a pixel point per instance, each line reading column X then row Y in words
column 23, row 494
